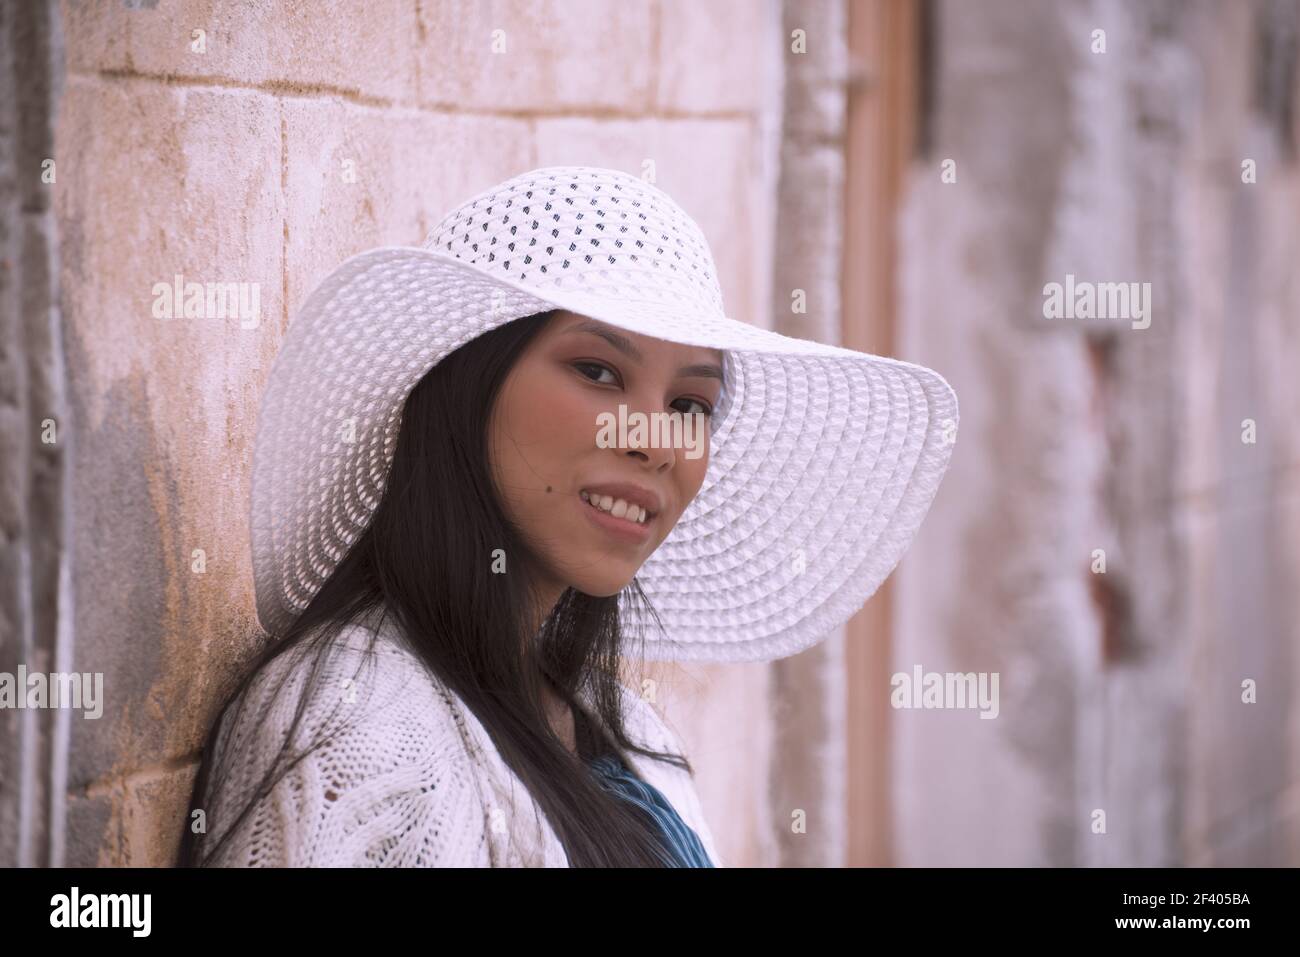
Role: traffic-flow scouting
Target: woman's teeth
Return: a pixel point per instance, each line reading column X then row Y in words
column 616, row 507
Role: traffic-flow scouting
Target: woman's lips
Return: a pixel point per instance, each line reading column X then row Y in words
column 621, row 528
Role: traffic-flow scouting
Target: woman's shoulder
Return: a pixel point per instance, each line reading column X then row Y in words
column 378, row 773
column 645, row 722
column 360, row 672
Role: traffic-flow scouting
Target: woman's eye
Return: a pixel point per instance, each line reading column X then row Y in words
column 601, row 367
column 596, row 365
column 704, row 407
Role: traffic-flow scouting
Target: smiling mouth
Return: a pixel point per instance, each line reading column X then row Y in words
column 618, row 508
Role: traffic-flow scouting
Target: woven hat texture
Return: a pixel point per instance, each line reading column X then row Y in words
column 823, row 460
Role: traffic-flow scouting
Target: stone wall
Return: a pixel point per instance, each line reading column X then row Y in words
column 265, row 143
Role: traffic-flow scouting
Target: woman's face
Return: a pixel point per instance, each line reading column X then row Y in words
column 555, row 434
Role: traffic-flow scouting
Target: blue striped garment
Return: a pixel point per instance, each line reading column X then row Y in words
column 683, row 843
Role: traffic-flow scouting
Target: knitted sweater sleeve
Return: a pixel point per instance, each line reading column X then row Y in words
column 362, row 797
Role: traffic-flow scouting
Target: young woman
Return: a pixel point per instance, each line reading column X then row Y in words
column 487, row 469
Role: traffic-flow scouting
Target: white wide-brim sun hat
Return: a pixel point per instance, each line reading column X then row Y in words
column 823, row 460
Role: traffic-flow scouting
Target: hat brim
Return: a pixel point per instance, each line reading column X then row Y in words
column 823, row 462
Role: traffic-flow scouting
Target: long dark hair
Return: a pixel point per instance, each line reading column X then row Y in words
column 425, row 559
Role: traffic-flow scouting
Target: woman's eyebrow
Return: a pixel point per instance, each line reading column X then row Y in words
column 624, row 345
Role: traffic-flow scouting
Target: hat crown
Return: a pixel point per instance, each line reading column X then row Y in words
column 585, row 230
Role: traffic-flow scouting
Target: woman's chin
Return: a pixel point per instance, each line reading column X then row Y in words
column 603, row 588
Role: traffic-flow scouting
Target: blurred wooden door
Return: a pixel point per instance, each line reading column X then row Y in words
column 883, row 98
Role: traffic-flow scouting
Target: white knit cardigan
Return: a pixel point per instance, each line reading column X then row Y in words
column 410, row 778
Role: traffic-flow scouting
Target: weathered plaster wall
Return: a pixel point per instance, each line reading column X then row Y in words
column 1120, row 692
